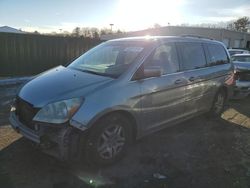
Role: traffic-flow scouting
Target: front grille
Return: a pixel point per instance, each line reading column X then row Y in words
column 244, row 76
column 26, row 112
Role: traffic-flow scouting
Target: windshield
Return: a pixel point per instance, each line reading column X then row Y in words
column 109, row 59
column 241, row 58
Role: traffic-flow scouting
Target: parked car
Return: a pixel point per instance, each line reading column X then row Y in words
column 120, row 91
column 242, row 75
column 237, row 51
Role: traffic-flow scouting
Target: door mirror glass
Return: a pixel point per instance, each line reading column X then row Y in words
column 148, row 72
column 152, row 71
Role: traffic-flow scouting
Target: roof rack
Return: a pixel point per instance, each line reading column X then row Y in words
column 197, row 36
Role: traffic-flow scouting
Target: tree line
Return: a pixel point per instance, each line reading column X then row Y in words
column 92, row 32
column 86, row 32
column 241, row 24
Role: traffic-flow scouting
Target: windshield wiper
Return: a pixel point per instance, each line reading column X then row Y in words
column 98, row 73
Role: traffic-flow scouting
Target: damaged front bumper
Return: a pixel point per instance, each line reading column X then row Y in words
column 60, row 141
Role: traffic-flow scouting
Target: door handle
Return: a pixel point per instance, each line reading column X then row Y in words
column 179, row 81
column 192, row 78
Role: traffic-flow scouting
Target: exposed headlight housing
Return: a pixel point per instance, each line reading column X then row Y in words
column 58, row 112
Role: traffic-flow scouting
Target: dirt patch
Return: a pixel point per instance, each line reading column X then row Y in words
column 198, row 153
column 7, row 136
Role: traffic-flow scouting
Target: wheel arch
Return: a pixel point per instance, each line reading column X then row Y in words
column 127, row 114
column 225, row 89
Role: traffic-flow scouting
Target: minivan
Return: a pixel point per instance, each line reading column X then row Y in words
column 122, row 90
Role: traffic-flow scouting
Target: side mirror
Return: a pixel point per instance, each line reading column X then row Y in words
column 152, row 71
column 148, row 72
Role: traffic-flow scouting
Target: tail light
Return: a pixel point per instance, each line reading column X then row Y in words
column 236, row 75
column 231, row 79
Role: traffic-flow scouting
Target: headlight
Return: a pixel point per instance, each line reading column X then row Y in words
column 58, row 112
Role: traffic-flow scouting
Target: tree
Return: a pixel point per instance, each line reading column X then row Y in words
column 76, row 32
column 118, row 31
column 230, row 25
column 156, row 25
column 104, row 31
column 241, row 24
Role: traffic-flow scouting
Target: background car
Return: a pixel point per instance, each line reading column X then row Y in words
column 237, row 51
column 242, row 75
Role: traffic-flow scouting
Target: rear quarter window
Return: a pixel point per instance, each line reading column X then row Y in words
column 217, row 55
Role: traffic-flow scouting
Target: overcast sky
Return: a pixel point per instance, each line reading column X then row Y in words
column 52, row 15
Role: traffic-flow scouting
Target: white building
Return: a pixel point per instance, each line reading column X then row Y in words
column 7, row 29
column 232, row 39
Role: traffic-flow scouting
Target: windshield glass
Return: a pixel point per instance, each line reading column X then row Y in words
column 241, row 58
column 109, row 59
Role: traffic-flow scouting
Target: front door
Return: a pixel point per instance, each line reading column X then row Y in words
column 163, row 98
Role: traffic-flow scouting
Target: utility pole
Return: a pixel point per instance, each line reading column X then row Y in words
column 111, row 25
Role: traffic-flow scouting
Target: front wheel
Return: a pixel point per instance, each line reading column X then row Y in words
column 108, row 140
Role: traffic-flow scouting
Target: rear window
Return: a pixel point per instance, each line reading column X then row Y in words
column 241, row 58
column 217, row 54
column 234, row 52
column 192, row 56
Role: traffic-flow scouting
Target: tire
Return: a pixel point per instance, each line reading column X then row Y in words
column 108, row 140
column 218, row 104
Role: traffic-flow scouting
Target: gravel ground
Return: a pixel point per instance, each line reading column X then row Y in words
column 198, row 153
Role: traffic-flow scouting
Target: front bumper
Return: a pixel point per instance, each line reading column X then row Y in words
column 241, row 89
column 61, row 142
column 35, row 136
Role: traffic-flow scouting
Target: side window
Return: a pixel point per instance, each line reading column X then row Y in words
column 164, row 56
column 193, row 56
column 217, row 54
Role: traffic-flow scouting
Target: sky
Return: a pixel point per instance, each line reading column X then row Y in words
column 127, row 15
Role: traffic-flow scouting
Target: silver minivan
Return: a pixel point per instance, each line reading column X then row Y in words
column 122, row 90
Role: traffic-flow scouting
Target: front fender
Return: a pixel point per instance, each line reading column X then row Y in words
column 85, row 118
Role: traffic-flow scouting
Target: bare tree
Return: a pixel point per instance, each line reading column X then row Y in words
column 104, row 31
column 119, row 31
column 91, row 32
column 76, row 32
column 230, row 25
column 156, row 25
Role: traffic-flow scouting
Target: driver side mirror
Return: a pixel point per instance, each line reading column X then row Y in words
column 148, row 72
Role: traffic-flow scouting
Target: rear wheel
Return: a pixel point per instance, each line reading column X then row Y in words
column 108, row 139
column 218, row 104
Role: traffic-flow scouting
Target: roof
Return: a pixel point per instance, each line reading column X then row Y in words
column 241, row 55
column 237, row 50
column 7, row 29
column 167, row 38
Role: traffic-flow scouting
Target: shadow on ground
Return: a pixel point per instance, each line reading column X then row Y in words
column 198, row 153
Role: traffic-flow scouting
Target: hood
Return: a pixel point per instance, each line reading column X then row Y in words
column 242, row 66
column 60, row 83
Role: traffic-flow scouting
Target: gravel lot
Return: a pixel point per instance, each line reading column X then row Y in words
column 198, row 153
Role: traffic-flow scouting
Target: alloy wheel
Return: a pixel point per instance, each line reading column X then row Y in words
column 111, row 141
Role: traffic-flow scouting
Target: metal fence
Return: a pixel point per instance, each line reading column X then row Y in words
column 29, row 54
